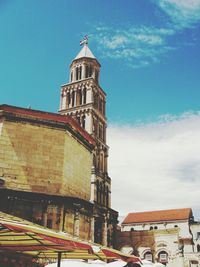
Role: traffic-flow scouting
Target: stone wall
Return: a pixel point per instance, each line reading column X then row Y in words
column 43, row 159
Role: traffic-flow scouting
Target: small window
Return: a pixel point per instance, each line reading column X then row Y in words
column 73, row 98
column 84, row 95
column 76, row 73
column 80, row 72
column 68, row 98
column 148, row 256
column 155, row 227
column 86, row 71
column 90, row 71
column 132, row 229
column 151, row 228
column 175, row 226
column 79, row 97
column 163, row 257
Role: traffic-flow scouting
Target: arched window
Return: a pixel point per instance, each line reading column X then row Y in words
column 90, row 71
column 86, row 71
column 148, row 256
column 71, row 76
column 175, row 226
column 80, row 72
column 73, row 98
column 96, row 100
column 163, row 257
column 79, row 98
column 151, row 228
column 155, row 227
column 76, row 73
column 84, row 95
column 68, row 99
column 198, row 248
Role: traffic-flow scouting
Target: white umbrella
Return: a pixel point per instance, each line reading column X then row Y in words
column 69, row 263
column 118, row 263
column 96, row 262
column 81, row 263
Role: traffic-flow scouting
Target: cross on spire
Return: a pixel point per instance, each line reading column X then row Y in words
column 84, row 41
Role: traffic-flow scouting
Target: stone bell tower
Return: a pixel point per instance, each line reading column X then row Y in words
column 84, row 99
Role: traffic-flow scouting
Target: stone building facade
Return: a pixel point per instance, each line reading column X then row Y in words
column 45, row 168
column 84, row 100
column 166, row 236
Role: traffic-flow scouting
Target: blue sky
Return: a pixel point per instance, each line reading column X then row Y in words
column 149, row 51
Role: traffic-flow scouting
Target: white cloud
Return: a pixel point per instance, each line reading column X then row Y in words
column 155, row 166
column 183, row 13
column 139, row 46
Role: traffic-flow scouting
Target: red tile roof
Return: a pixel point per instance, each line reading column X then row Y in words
column 51, row 117
column 158, row 216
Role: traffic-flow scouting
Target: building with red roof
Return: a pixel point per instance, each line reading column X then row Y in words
column 158, row 216
column 165, row 236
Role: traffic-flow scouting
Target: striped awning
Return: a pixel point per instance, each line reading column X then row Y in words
column 22, row 236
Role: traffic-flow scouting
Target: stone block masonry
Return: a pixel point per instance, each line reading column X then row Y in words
column 43, row 159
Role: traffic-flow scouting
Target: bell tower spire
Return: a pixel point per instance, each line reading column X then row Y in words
column 84, row 65
column 84, row 100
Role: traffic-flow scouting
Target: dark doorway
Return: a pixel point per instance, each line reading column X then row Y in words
column 98, row 231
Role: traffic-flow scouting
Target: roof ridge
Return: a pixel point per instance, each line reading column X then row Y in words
column 137, row 212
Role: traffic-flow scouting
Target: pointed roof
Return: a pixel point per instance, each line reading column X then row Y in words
column 85, row 52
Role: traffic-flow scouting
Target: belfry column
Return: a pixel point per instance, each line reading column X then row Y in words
column 83, row 71
column 104, row 231
column 63, row 100
column 76, row 221
column 44, row 214
column 92, row 229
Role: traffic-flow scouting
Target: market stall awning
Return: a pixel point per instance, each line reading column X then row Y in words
column 22, row 236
